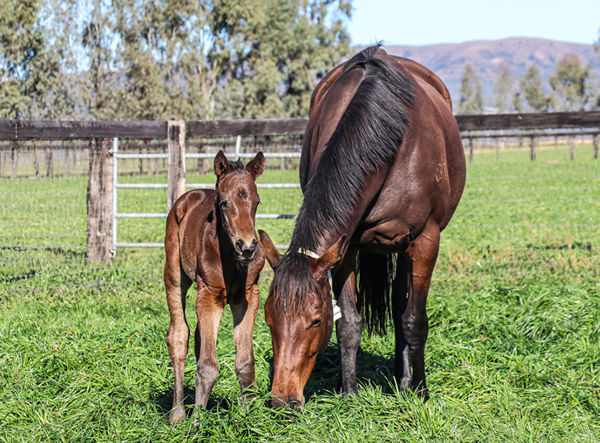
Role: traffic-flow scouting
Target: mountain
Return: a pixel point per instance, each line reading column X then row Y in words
column 449, row 59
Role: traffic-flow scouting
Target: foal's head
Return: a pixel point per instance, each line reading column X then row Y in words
column 237, row 200
column 300, row 314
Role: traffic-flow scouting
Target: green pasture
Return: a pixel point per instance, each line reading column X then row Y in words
column 513, row 350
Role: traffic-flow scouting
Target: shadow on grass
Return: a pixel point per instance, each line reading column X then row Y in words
column 164, row 400
column 370, row 368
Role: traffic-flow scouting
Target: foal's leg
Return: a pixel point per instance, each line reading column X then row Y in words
column 177, row 285
column 349, row 327
column 415, row 325
column 209, row 309
column 244, row 312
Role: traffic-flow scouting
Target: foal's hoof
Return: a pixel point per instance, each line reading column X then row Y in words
column 177, row 415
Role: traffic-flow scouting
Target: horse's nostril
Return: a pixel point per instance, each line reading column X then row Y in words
column 252, row 246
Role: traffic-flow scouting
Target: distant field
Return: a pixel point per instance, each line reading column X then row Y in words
column 514, row 309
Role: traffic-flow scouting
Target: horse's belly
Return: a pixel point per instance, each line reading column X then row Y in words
column 386, row 237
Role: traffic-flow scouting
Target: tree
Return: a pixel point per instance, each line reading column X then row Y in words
column 270, row 54
column 23, row 60
column 571, row 82
column 530, row 84
column 100, row 83
column 517, row 103
column 503, row 86
column 471, row 100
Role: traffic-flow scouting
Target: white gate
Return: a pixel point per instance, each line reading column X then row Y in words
column 117, row 185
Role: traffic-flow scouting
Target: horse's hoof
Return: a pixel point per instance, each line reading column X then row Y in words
column 422, row 393
column 350, row 393
column 177, row 415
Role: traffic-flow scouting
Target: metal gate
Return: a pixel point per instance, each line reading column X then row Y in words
column 118, row 185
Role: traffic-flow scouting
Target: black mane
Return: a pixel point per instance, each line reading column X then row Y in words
column 366, row 139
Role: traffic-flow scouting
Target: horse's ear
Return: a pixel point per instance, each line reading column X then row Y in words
column 321, row 266
column 256, row 166
column 221, row 163
column 271, row 251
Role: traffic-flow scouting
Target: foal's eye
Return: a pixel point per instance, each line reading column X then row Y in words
column 316, row 322
column 223, row 204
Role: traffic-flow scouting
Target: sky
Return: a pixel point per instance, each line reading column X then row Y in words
column 423, row 22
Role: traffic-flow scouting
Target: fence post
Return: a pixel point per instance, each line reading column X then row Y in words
column 532, row 149
column 596, row 146
column 470, row 150
column 14, row 159
column 572, row 141
column 176, row 146
column 99, row 202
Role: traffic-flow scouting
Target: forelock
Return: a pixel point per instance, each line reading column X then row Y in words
column 293, row 283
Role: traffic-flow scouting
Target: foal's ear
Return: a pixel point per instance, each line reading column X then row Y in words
column 327, row 261
column 221, row 163
column 256, row 166
column 271, row 251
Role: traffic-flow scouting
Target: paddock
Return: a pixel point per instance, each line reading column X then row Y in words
column 514, row 343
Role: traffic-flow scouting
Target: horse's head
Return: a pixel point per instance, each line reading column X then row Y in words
column 237, row 199
column 300, row 314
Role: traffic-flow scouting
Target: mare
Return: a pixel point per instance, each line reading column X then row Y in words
column 382, row 171
column 210, row 239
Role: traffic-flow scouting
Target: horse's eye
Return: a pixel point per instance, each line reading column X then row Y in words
column 242, row 194
column 316, row 322
column 223, row 204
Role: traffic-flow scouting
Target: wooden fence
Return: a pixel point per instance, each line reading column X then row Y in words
column 102, row 133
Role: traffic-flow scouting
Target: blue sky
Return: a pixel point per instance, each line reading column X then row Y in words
column 421, row 22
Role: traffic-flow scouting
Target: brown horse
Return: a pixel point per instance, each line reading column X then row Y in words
column 210, row 240
column 382, row 171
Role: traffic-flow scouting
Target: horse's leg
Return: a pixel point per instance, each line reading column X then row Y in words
column 244, row 312
column 400, row 291
column 415, row 325
column 209, row 309
column 349, row 327
column 177, row 285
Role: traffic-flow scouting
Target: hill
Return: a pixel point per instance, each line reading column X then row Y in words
column 486, row 56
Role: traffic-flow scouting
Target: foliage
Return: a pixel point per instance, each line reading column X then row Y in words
column 532, row 89
column 272, row 53
column 571, row 81
column 27, row 64
column 513, row 309
column 503, row 86
column 166, row 59
column 471, row 100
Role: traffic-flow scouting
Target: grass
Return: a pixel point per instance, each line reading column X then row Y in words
column 514, row 310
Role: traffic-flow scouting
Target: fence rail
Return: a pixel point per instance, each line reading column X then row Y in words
column 50, row 129
column 102, row 213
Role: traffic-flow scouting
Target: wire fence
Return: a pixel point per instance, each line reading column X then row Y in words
column 511, row 205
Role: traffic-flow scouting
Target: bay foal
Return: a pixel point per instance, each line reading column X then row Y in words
column 210, row 239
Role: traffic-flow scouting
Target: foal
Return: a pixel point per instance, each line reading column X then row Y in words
column 210, row 240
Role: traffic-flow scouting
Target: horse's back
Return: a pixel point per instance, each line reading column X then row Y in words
column 428, row 173
column 185, row 222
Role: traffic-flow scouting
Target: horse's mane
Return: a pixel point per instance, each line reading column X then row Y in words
column 366, row 139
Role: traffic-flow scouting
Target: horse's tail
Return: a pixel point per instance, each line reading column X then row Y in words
column 375, row 275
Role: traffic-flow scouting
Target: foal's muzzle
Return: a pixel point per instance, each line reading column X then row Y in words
column 245, row 252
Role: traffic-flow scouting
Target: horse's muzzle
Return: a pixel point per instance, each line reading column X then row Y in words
column 245, row 252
